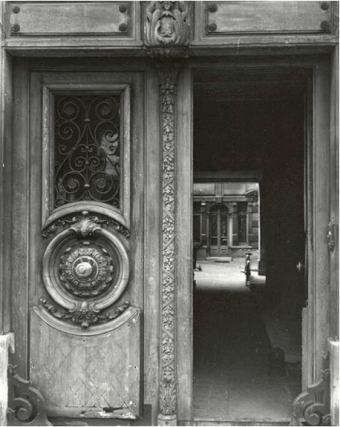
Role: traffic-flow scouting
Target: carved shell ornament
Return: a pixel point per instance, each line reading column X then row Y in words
column 166, row 23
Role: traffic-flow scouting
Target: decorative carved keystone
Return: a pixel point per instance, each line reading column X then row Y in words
column 85, row 225
column 167, row 25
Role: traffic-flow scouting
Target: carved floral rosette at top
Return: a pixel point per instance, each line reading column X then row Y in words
column 85, row 269
column 167, row 23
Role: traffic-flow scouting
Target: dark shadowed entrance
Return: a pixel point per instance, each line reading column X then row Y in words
column 247, row 339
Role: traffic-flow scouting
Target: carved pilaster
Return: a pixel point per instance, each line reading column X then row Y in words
column 168, row 377
column 167, row 34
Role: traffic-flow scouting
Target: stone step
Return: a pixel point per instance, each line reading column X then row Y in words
column 209, row 422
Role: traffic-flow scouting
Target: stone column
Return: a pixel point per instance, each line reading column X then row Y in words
column 204, row 224
column 259, row 220
column 230, row 230
column 242, row 223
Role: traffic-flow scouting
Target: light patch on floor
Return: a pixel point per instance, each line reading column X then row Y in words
column 231, row 380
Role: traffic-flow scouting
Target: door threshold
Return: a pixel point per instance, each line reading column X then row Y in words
column 239, row 422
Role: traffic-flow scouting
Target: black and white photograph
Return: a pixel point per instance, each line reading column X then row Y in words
column 169, row 213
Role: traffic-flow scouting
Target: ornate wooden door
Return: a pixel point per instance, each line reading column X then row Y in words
column 77, row 291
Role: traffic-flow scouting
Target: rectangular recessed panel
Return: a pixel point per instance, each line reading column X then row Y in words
column 54, row 18
column 204, row 189
column 86, row 375
column 266, row 17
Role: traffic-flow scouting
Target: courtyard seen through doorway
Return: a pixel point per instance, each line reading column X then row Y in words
column 248, row 238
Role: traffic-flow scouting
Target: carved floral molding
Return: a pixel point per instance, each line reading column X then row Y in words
column 168, row 382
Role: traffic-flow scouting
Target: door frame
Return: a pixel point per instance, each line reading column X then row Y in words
column 316, row 323
column 218, row 214
column 325, row 272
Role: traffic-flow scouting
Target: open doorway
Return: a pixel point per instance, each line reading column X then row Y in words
column 249, row 244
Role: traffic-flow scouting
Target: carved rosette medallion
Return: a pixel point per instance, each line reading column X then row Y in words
column 168, row 385
column 86, row 271
column 167, row 23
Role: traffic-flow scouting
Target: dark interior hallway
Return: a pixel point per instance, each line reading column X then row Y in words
column 232, row 381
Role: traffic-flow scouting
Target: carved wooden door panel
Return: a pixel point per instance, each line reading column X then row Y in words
column 82, row 310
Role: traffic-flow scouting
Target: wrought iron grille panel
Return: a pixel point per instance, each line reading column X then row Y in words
column 87, row 149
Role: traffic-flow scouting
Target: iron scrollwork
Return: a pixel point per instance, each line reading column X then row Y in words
column 87, row 149
column 26, row 404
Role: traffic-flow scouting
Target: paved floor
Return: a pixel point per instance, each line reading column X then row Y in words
column 231, row 381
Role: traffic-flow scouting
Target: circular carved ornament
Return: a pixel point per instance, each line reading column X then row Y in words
column 92, row 269
column 86, row 271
